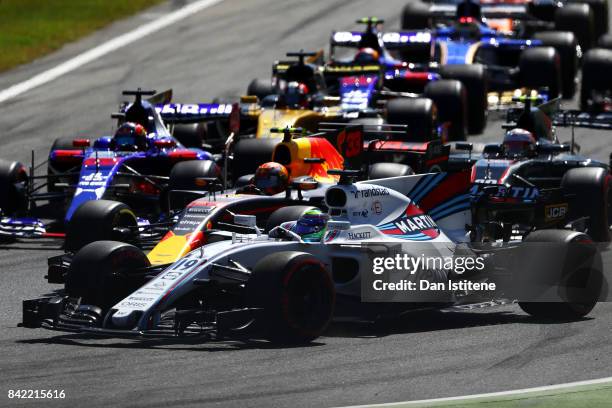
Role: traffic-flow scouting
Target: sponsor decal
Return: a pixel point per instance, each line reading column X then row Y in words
column 555, row 212
column 371, row 192
column 412, row 225
column 359, row 235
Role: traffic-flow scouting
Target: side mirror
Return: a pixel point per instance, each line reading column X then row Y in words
column 245, row 220
column 164, row 143
column 81, row 143
column 492, row 149
column 464, row 146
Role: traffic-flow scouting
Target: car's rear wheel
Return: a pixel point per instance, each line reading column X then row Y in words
column 565, row 44
column 416, row 16
column 418, row 114
column 591, row 190
column 475, row 81
column 580, row 282
column 104, row 272
column 13, row 186
column 99, row 220
column 248, row 154
column 596, row 78
column 541, row 67
column 190, row 134
column 579, row 19
column 261, row 88
column 450, row 97
column 296, row 294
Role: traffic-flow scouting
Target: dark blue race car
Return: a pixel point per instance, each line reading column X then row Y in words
column 136, row 168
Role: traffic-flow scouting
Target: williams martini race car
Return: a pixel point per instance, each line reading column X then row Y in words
column 133, row 166
column 297, row 177
column 287, row 285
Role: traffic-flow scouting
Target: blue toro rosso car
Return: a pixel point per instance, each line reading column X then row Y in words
column 136, row 167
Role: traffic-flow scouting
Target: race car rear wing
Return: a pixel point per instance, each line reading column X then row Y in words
column 193, row 112
column 391, row 40
column 387, row 142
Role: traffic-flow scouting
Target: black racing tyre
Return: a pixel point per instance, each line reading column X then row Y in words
column 600, row 9
column 450, row 97
column 385, row 170
column 592, row 197
column 475, row 81
column 596, row 68
column 541, row 67
column 184, row 175
column 565, row 44
column 297, row 296
column 13, row 186
column 261, row 88
column 286, row 214
column 102, row 273
column 97, row 220
column 416, row 16
column 605, row 41
column 418, row 113
column 248, row 154
column 62, row 143
column 190, row 134
column 580, row 283
column 578, row 19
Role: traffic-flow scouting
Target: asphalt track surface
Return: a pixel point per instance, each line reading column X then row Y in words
column 426, row 355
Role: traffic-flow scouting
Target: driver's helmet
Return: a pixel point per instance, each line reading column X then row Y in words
column 130, row 136
column 296, row 95
column 519, row 142
column 367, row 56
column 311, row 225
column 271, row 178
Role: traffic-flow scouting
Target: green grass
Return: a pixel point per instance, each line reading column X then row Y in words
column 33, row 28
column 588, row 396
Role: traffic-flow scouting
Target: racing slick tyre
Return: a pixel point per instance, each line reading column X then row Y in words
column 13, row 186
column 98, row 220
column 296, row 295
column 286, row 214
column 600, row 10
column 565, row 44
column 578, row 19
column 596, row 68
column 53, row 167
column 592, row 197
column 191, row 134
column 541, row 67
column 385, row 170
column 248, row 154
column 102, row 273
column 450, row 97
column 261, row 88
column 605, row 41
column 475, row 81
column 416, row 16
column 418, row 113
column 580, row 283
column 188, row 175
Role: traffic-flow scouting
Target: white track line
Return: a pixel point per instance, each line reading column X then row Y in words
column 491, row 394
column 105, row 48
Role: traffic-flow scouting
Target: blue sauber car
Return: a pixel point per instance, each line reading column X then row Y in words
column 133, row 169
